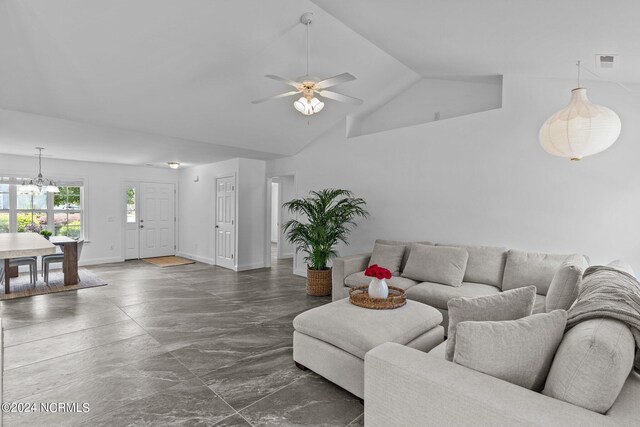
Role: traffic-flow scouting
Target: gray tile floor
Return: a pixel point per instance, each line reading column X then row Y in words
column 189, row 345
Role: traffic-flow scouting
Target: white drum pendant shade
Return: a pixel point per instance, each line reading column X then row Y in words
column 581, row 129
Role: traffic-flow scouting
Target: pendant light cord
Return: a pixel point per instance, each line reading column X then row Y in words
column 579, row 69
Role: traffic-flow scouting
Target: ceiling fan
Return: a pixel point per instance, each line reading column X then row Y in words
column 309, row 85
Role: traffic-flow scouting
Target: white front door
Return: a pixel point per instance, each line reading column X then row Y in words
column 132, row 222
column 225, row 221
column 157, row 220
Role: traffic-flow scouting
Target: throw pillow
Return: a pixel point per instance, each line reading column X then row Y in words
column 564, row 287
column 508, row 305
column 517, row 351
column 592, row 364
column 388, row 256
column 438, row 264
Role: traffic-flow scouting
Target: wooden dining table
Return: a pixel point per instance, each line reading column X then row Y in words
column 17, row 245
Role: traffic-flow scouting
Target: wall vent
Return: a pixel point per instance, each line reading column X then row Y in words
column 606, row 61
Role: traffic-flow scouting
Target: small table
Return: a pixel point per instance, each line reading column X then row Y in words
column 70, row 261
column 17, row 245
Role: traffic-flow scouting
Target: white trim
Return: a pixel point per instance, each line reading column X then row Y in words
column 205, row 260
column 246, row 267
column 96, row 261
column 300, row 272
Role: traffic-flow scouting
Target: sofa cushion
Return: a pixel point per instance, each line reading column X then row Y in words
column 439, row 351
column 405, row 257
column 357, row 330
column 485, row 264
column 518, row 351
column 509, row 305
column 359, row 279
column 564, row 287
column 439, row 264
column 531, row 269
column 592, row 364
column 438, row 295
column 540, row 304
column 388, row 256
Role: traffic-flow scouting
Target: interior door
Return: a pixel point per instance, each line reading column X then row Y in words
column 132, row 222
column 225, row 221
column 157, row 220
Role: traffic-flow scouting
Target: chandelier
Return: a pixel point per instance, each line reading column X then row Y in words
column 39, row 184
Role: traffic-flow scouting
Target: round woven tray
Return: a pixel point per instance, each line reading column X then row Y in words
column 360, row 297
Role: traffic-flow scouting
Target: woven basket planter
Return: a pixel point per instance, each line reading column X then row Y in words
column 319, row 282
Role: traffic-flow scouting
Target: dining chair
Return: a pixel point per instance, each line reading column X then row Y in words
column 47, row 260
column 31, row 261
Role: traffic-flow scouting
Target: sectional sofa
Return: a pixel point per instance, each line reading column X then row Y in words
column 489, row 270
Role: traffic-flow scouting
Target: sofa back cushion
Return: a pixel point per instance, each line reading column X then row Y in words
column 485, row 264
column 518, row 351
column 439, row 264
column 388, row 256
column 510, row 305
column 407, row 251
column 592, row 364
column 531, row 269
column 564, row 287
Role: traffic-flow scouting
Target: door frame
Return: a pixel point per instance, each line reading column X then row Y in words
column 233, row 175
column 123, row 212
column 267, row 249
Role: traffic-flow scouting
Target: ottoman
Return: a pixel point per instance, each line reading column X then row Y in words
column 332, row 340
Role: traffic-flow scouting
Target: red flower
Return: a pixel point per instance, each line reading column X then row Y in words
column 378, row 272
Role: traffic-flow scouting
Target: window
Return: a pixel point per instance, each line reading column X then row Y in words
column 4, row 208
column 67, row 215
column 131, row 204
column 61, row 213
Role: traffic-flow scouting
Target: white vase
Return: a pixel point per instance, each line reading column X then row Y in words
column 378, row 288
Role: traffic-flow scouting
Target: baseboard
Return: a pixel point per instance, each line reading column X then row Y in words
column 287, row 255
column 300, row 272
column 97, row 261
column 198, row 258
column 246, row 267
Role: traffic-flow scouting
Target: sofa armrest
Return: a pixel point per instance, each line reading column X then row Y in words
column 343, row 267
column 407, row 387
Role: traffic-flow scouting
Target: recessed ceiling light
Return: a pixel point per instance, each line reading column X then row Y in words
column 174, row 165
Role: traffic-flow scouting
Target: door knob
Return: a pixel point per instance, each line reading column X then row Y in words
column 217, row 226
column 142, row 226
column 142, row 220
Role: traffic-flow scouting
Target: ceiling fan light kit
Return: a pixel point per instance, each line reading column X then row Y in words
column 581, row 129
column 309, row 85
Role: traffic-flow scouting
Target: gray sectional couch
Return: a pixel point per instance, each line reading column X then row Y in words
column 489, row 270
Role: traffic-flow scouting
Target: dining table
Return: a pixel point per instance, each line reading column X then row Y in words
column 18, row 245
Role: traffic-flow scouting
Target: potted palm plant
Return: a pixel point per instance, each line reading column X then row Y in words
column 329, row 216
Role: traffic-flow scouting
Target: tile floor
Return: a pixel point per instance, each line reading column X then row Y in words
column 193, row 345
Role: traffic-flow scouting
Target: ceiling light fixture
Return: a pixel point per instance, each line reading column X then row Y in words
column 39, row 184
column 308, row 85
column 581, row 129
column 174, row 165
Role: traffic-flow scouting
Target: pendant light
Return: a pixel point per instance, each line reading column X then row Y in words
column 581, row 129
column 39, row 184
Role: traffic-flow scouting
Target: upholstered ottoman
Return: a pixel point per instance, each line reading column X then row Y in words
column 332, row 340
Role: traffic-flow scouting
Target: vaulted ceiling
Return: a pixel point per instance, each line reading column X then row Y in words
column 148, row 81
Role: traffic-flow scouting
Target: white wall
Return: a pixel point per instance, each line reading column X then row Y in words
column 196, row 208
column 104, row 202
column 484, row 179
column 274, row 212
column 197, row 211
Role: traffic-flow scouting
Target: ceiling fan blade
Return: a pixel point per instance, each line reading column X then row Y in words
column 332, row 81
column 340, row 97
column 282, row 95
column 283, row 80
